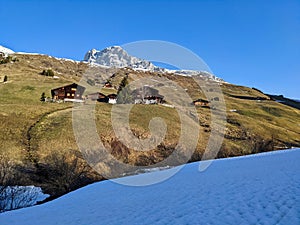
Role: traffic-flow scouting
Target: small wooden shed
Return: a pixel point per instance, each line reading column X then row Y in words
column 97, row 96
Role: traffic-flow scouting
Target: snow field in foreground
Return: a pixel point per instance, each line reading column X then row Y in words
column 264, row 189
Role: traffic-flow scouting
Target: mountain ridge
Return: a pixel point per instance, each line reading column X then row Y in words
column 116, row 56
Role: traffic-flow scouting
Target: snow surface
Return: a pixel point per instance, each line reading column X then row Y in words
column 65, row 59
column 30, row 53
column 261, row 189
column 190, row 73
column 51, row 57
column 6, row 51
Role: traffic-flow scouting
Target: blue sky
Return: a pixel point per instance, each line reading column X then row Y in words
column 252, row 43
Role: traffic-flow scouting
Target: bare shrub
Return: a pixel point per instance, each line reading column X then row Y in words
column 13, row 196
column 62, row 173
column 258, row 144
column 120, row 151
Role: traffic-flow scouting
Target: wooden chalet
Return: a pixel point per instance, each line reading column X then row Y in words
column 201, row 102
column 70, row 92
column 147, row 95
column 100, row 97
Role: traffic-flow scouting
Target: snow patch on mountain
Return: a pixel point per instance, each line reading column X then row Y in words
column 6, row 51
column 30, row 53
column 190, row 73
column 65, row 59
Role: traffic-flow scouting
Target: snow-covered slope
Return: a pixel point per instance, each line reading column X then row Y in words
column 116, row 56
column 6, row 51
column 189, row 73
column 260, row 189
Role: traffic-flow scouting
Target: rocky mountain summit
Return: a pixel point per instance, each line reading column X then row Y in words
column 115, row 56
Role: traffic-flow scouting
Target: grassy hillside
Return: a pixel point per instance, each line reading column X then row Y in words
column 36, row 134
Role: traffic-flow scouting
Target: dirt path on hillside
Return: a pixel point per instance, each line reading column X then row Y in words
column 31, row 154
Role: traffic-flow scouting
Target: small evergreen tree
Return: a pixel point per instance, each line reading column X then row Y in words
column 125, row 96
column 124, row 92
column 123, row 84
column 5, row 78
column 43, row 97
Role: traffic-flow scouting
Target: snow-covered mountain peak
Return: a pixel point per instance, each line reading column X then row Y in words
column 116, row 56
column 6, row 51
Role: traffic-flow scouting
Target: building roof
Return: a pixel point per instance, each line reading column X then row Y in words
column 73, row 84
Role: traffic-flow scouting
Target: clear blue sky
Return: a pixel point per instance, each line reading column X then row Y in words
column 252, row 43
